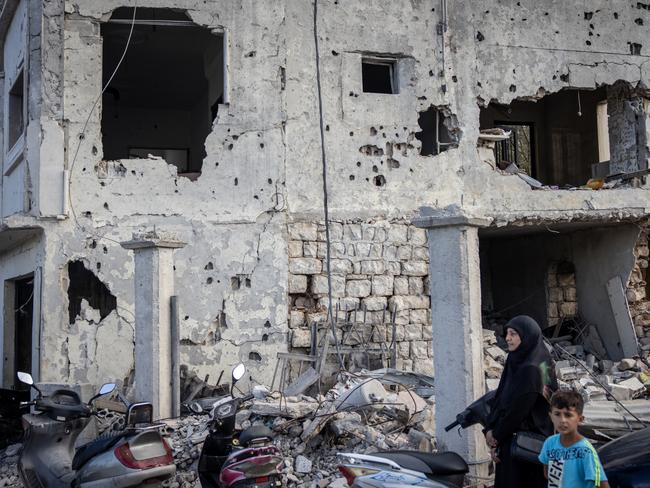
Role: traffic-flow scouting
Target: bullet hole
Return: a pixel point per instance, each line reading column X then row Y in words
column 371, row 150
column 251, row 54
column 588, row 43
column 234, row 138
column 94, row 151
column 106, row 205
column 588, row 15
column 379, row 180
column 393, row 163
column 478, row 83
column 334, row 53
column 267, row 324
column 351, row 133
column 256, row 197
column 635, row 49
column 247, row 282
column 83, row 169
column 209, row 281
column 88, row 214
column 591, row 26
column 524, row 19
column 513, row 88
column 93, row 244
column 616, row 15
column 133, row 172
column 375, row 169
column 83, row 284
column 234, row 283
column 327, row 128
column 265, row 338
column 479, row 36
column 269, row 181
column 383, row 134
column 555, row 77
column 351, row 94
column 351, row 177
column 230, row 146
column 187, row 317
column 367, row 179
column 373, row 131
column 105, row 249
column 381, row 127
column 454, row 79
column 236, row 181
column 643, row 6
column 261, row 145
column 358, row 164
column 99, row 266
column 545, row 13
column 565, row 78
column 591, row 34
column 209, row 266
column 430, row 72
column 254, row 356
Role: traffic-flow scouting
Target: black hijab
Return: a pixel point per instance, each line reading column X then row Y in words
column 529, row 369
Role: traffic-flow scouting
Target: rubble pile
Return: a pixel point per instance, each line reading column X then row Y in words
column 363, row 413
column 9, row 477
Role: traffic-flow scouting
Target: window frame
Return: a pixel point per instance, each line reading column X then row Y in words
column 392, row 64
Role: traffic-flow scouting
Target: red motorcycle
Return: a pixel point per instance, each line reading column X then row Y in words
column 229, row 460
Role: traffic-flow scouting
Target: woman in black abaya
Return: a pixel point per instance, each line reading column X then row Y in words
column 521, row 403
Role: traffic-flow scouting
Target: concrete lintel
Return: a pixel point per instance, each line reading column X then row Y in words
column 154, row 242
column 432, row 221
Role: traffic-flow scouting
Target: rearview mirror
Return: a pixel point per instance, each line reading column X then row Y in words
column 106, row 388
column 238, row 372
column 25, row 378
column 195, row 407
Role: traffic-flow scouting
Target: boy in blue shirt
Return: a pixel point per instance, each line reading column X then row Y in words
column 570, row 461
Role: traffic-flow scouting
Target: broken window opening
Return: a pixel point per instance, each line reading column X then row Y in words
column 575, row 135
column 379, row 76
column 439, row 132
column 165, row 97
column 83, row 284
column 519, row 149
column 16, row 116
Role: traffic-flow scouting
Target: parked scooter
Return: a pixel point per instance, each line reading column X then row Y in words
column 228, row 460
column 400, row 469
column 126, row 458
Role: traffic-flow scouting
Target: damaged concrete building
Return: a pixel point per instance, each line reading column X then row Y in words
column 202, row 119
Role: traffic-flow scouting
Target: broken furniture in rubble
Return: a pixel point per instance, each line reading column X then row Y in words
column 352, row 347
column 196, row 389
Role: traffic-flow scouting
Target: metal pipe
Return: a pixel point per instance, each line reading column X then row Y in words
column 175, row 341
column 437, row 132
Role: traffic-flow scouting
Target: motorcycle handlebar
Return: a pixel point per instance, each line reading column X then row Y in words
column 452, row 425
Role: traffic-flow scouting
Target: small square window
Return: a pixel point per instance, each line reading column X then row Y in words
column 378, row 76
column 16, row 117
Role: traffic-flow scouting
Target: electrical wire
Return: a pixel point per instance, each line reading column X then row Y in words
column 82, row 134
column 325, row 200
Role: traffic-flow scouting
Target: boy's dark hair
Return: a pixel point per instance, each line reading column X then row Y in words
column 568, row 399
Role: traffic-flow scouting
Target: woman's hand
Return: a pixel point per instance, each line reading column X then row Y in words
column 491, row 441
column 493, row 455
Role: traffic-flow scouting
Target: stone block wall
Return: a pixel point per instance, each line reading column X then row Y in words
column 561, row 292
column 379, row 269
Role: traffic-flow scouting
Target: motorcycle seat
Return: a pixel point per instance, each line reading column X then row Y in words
column 253, row 433
column 441, row 464
column 93, row 448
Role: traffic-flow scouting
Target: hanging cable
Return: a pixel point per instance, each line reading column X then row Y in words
column 82, row 134
column 325, row 201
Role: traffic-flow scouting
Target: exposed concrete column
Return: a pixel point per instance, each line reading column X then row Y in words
column 154, row 286
column 455, row 277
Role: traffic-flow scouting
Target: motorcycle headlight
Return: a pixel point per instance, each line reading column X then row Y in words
column 224, row 410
